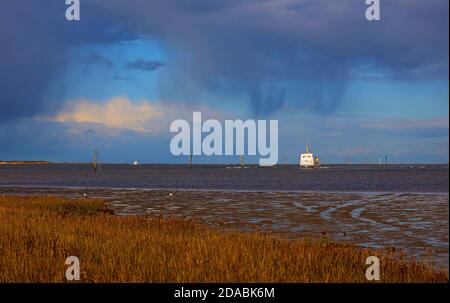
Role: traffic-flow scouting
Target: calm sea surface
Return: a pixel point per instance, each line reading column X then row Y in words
column 290, row 178
column 402, row 207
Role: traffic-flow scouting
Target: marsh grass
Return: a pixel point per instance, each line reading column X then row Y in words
column 37, row 234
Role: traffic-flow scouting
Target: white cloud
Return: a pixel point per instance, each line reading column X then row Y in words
column 117, row 112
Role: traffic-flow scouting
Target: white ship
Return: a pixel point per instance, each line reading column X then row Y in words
column 307, row 159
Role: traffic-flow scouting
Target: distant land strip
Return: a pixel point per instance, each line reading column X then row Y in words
column 23, row 162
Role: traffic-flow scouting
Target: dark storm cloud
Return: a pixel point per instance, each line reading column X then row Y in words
column 270, row 100
column 35, row 40
column 259, row 48
column 145, row 65
column 97, row 59
column 256, row 46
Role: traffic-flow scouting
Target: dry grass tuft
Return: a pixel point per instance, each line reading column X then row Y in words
column 37, row 234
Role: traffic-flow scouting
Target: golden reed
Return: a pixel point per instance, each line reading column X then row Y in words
column 37, row 234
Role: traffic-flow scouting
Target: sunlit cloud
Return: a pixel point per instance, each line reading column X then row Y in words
column 121, row 113
column 118, row 112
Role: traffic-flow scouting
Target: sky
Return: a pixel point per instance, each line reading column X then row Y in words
column 114, row 81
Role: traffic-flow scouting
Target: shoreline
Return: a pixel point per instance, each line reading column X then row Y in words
column 218, row 190
column 25, row 163
column 387, row 221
